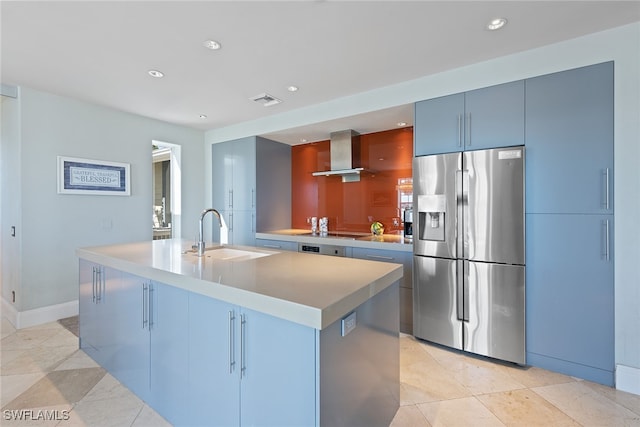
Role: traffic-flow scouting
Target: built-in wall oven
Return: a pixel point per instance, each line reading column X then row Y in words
column 310, row 248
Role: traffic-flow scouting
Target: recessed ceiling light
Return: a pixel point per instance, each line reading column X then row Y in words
column 156, row 73
column 496, row 24
column 292, row 88
column 212, row 44
column 202, row 116
column 402, row 124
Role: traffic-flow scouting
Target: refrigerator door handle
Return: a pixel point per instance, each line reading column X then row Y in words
column 463, row 216
column 465, row 290
column 459, row 214
column 460, row 291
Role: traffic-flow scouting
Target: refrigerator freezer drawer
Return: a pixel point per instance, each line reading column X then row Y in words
column 435, row 303
column 496, row 316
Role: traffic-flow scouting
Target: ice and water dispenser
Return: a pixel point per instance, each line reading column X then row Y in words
column 431, row 217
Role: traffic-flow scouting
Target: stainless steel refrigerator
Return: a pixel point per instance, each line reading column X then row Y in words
column 469, row 257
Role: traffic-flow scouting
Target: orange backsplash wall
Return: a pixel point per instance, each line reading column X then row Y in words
column 353, row 206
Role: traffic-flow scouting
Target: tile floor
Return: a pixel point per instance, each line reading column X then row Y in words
column 45, row 375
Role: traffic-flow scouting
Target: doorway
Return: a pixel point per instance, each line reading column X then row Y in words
column 166, row 190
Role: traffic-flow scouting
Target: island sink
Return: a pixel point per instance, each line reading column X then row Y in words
column 223, row 253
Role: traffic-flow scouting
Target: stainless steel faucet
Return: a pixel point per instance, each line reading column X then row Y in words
column 199, row 246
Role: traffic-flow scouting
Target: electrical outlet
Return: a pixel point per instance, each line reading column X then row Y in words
column 348, row 323
column 13, row 231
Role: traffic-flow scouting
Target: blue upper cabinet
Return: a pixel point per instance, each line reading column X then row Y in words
column 438, row 125
column 483, row 118
column 251, row 187
column 569, row 138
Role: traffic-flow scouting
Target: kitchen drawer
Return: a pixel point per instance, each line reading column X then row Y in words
column 281, row 245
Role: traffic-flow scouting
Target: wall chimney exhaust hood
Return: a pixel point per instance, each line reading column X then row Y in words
column 345, row 156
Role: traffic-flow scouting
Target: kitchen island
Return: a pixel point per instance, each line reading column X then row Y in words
column 244, row 336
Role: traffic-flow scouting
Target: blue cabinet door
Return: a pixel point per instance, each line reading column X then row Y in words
column 244, row 174
column 222, row 175
column 439, row 125
column 490, row 117
column 569, row 138
column 131, row 358
column 214, row 351
column 169, row 351
column 495, row 116
column 278, row 371
column 96, row 311
column 570, row 295
column 406, row 283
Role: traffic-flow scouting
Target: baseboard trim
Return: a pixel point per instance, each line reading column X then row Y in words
column 628, row 379
column 38, row 316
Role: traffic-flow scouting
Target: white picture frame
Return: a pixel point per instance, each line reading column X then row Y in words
column 93, row 177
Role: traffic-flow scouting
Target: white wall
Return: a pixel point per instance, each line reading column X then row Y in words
column 621, row 45
column 50, row 225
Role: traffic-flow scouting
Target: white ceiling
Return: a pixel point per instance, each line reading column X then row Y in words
column 100, row 52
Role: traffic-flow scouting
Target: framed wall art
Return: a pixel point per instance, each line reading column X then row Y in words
column 84, row 176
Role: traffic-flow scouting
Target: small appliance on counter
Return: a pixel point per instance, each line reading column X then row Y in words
column 408, row 223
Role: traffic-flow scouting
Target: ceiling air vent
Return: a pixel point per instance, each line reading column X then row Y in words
column 266, row 99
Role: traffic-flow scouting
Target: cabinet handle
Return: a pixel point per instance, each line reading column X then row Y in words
column 230, row 221
column 151, row 291
column 605, row 202
column 253, row 222
column 102, row 285
column 386, row 258
column 232, row 355
column 93, row 286
column 469, row 130
column 243, row 364
column 144, row 305
column 607, row 235
column 230, row 199
column 459, row 130
column 271, row 246
column 253, row 198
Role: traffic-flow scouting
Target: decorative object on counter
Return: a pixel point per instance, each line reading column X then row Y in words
column 314, row 224
column 377, row 229
column 324, row 225
column 91, row 177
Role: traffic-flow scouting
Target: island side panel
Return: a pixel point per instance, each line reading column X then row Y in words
column 360, row 372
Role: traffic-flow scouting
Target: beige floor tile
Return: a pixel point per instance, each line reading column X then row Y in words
column 149, row 418
column 628, row 400
column 49, row 416
column 77, row 360
column 58, row 388
column 525, row 408
column 37, row 360
column 6, row 328
column 49, row 325
column 7, row 356
column 117, row 412
column 427, row 382
column 61, row 338
column 463, row 412
column 587, row 406
column 482, row 379
column 26, row 339
column 109, row 388
column 409, row 416
column 534, row 377
column 11, row 386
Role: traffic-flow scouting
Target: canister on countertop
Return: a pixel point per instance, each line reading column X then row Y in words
column 324, row 225
column 314, row 224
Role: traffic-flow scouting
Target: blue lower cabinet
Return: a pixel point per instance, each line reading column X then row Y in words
column 248, row 368
column 570, row 295
column 97, row 309
column 277, row 371
column 169, row 351
column 132, row 358
column 214, row 351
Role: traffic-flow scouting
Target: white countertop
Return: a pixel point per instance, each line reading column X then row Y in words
column 312, row 290
column 393, row 242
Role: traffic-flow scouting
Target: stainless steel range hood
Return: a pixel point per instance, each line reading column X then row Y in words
column 345, row 156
